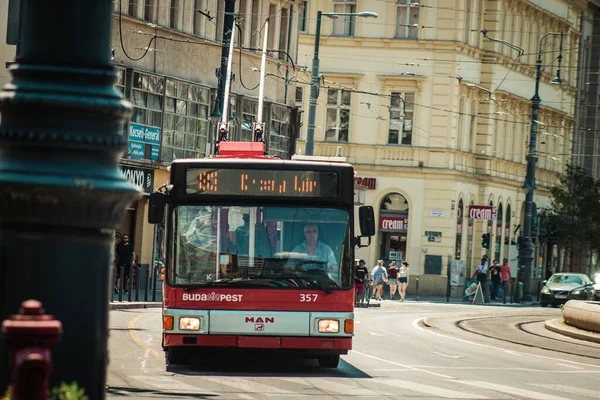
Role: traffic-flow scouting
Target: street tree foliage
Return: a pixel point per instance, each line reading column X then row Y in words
column 575, row 219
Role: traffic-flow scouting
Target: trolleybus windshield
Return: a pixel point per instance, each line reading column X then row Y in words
column 279, row 247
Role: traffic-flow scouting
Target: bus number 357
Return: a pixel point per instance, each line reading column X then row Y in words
column 308, row 297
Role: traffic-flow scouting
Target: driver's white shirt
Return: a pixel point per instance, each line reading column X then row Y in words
column 322, row 252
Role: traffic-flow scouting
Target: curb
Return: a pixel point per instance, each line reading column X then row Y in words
column 126, row 305
column 558, row 326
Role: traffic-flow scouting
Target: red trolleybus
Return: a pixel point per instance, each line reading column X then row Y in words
column 259, row 254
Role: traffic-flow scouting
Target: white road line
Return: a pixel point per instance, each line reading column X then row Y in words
column 415, row 325
column 246, row 385
column 438, row 392
column 166, row 383
column 570, row 366
column 402, row 365
column 446, row 355
column 377, row 334
column 245, row 396
column 569, row 389
column 510, row 390
column 334, row 386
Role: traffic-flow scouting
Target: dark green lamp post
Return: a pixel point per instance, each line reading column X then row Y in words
column 527, row 248
column 61, row 191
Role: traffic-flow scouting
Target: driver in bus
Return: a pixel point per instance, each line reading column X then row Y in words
column 316, row 249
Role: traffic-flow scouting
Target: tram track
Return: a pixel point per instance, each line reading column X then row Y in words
column 522, row 333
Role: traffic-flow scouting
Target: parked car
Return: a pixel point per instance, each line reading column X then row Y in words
column 566, row 286
column 597, row 287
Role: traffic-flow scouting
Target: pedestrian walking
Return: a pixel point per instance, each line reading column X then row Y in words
column 505, row 276
column 393, row 279
column 361, row 274
column 379, row 275
column 481, row 272
column 403, row 277
column 125, row 259
column 495, row 280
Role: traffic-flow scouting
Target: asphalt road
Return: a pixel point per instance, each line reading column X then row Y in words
column 401, row 350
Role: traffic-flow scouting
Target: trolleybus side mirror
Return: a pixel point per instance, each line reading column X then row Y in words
column 366, row 219
column 156, row 208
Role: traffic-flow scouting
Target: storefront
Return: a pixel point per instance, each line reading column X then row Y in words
column 393, row 228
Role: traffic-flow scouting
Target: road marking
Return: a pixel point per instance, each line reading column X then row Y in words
column 446, row 355
column 334, row 386
column 569, row 389
column 402, row 365
column 377, row 334
column 136, row 339
column 570, row 366
column 415, row 325
column 166, row 383
column 431, row 390
column 246, row 385
column 513, row 391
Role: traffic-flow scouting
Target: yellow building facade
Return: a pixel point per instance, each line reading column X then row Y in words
column 436, row 120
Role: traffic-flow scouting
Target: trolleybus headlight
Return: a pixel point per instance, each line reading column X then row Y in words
column 189, row 324
column 329, row 326
column 167, row 322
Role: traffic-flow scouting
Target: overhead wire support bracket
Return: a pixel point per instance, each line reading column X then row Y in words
column 518, row 49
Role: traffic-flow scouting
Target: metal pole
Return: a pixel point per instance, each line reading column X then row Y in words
column 61, row 136
column 227, row 30
column 314, row 91
column 526, row 249
column 263, row 64
column 417, row 299
column 258, row 128
column 225, row 116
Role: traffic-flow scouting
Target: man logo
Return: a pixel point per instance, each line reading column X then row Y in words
column 261, row 320
column 259, row 327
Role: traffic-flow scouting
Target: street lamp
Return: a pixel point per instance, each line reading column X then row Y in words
column 526, row 248
column 314, row 81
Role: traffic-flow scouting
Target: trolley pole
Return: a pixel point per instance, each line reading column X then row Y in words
column 61, row 137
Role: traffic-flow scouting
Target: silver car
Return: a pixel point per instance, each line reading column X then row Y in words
column 566, row 286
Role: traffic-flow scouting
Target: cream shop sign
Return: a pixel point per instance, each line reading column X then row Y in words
column 482, row 212
column 142, row 178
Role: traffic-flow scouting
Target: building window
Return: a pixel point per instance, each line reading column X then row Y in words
column 176, row 15
column 461, row 118
column 402, row 106
column 304, row 17
column 199, row 19
column 249, row 111
column 186, row 121
column 344, row 26
column 299, row 96
column 283, row 33
column 338, row 115
column 150, row 13
column 406, row 17
column 279, row 131
column 121, row 79
column 472, row 125
column 144, row 128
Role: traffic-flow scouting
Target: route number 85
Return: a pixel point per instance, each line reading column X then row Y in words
column 308, row 297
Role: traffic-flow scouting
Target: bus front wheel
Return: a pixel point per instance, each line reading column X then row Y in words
column 176, row 355
column 329, row 361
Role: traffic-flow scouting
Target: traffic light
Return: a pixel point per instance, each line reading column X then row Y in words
column 485, row 240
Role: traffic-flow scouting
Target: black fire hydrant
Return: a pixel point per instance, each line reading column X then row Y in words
column 30, row 336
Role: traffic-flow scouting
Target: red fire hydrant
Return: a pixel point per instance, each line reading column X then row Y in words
column 29, row 336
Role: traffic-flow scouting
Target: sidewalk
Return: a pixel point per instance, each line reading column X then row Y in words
column 458, row 300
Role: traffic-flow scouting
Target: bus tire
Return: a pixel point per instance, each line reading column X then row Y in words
column 329, row 361
column 176, row 355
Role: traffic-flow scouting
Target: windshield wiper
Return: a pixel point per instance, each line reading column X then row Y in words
column 234, row 283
